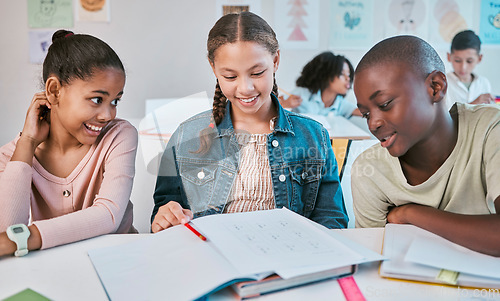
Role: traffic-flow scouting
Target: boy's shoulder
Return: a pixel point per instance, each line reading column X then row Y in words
column 477, row 114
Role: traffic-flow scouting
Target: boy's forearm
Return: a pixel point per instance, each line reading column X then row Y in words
column 476, row 232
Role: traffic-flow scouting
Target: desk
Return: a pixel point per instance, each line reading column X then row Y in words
column 66, row 273
column 341, row 127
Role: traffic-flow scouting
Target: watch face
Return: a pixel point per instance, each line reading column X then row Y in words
column 17, row 230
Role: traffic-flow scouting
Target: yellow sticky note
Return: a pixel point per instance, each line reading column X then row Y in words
column 448, row 276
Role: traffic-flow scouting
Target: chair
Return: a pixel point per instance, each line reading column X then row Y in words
column 341, row 150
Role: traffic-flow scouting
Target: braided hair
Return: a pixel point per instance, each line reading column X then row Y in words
column 231, row 28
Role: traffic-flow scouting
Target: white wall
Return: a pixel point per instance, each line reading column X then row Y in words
column 162, row 44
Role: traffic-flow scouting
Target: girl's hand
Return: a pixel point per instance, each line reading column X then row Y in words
column 292, row 101
column 37, row 123
column 169, row 215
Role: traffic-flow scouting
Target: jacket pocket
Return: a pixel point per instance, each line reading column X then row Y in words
column 198, row 180
column 306, row 177
column 196, row 173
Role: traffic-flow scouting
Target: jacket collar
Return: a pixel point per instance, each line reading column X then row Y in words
column 283, row 123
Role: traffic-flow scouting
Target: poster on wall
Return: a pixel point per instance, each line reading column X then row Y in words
column 93, row 10
column 351, row 24
column 407, row 17
column 296, row 23
column 50, row 13
column 447, row 18
column 39, row 42
column 225, row 7
column 489, row 22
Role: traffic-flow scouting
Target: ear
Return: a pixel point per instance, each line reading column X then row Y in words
column 449, row 56
column 53, row 89
column 480, row 58
column 437, row 85
column 276, row 60
column 212, row 65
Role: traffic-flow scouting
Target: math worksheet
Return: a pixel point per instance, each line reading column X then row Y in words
column 273, row 240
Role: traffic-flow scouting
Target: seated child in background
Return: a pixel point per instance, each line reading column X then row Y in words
column 70, row 171
column 434, row 169
column 247, row 153
column 464, row 85
column 322, row 86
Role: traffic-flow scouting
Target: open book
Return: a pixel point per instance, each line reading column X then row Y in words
column 176, row 264
column 416, row 254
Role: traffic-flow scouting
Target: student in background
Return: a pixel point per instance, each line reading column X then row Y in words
column 434, row 169
column 69, row 172
column 464, row 85
column 247, row 153
column 322, row 86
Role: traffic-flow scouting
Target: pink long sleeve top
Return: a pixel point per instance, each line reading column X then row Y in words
column 93, row 200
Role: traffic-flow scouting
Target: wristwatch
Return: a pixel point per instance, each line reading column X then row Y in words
column 19, row 234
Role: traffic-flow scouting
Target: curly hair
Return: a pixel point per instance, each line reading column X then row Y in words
column 321, row 70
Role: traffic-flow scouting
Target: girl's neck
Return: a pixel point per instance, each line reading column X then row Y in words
column 328, row 97
column 256, row 123
column 61, row 141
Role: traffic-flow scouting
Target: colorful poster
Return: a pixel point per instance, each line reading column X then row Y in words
column 225, row 7
column 39, row 45
column 407, row 17
column 489, row 23
column 50, row 13
column 447, row 18
column 296, row 23
column 351, row 24
column 93, row 10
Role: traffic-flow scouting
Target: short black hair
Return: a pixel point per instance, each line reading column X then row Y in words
column 465, row 40
column 410, row 50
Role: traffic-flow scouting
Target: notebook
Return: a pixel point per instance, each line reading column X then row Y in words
column 416, row 254
column 239, row 247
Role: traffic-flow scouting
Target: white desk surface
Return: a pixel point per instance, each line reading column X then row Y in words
column 341, row 127
column 66, row 273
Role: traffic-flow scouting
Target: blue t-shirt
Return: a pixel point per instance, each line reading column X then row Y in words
column 312, row 104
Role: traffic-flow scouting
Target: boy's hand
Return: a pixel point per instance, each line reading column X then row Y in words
column 486, row 98
column 169, row 215
column 397, row 215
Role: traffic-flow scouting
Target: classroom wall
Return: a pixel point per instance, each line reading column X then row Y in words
column 162, row 44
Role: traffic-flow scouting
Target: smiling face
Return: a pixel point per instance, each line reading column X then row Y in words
column 464, row 62
column 398, row 105
column 84, row 107
column 245, row 73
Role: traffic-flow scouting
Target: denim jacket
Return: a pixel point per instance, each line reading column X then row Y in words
column 303, row 168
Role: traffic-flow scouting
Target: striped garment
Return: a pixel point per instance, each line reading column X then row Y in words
column 253, row 188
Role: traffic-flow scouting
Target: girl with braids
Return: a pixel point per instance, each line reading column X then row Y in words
column 68, row 175
column 322, row 86
column 251, row 154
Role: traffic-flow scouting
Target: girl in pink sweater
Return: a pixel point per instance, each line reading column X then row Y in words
column 69, row 174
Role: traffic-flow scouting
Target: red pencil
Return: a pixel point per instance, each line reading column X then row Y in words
column 195, row 232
